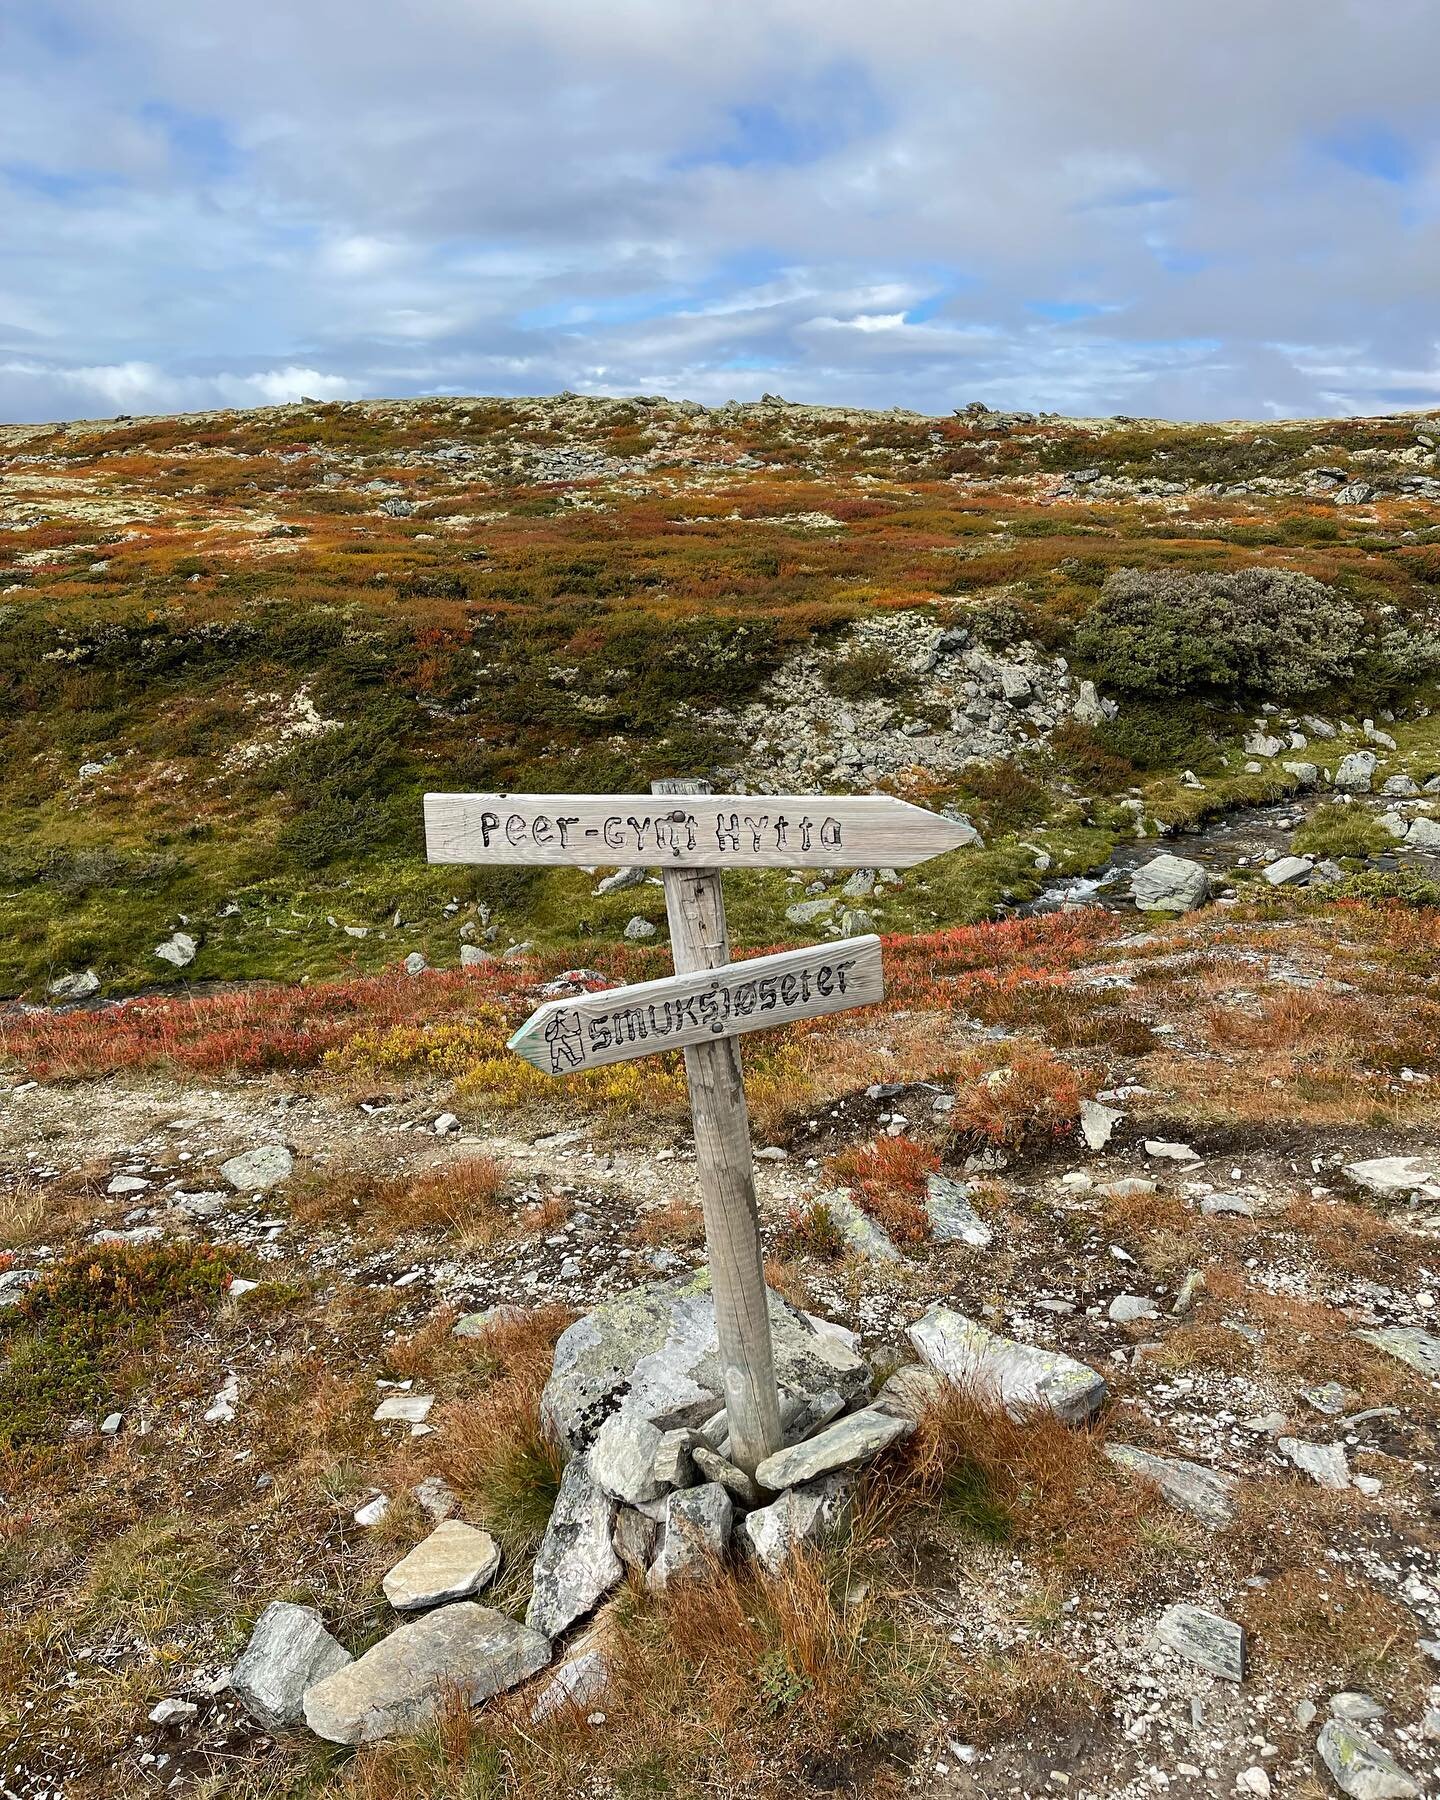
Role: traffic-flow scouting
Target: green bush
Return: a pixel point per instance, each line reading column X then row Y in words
column 1151, row 737
column 868, row 673
column 1258, row 631
column 1338, row 831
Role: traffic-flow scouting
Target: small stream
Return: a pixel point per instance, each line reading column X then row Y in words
column 1247, row 838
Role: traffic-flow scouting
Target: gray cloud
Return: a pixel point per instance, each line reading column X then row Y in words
column 1192, row 209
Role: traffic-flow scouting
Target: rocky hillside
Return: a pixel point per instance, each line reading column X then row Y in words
column 235, row 649
column 1104, row 1251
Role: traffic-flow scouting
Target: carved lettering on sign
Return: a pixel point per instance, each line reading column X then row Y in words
column 721, row 831
column 569, row 1035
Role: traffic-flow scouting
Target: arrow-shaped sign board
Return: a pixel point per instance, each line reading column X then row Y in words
column 567, row 1036
column 691, row 831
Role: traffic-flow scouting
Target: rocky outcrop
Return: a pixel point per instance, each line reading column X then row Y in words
column 654, row 1352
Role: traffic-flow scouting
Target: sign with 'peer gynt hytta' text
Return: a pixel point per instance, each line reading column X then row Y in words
column 693, row 831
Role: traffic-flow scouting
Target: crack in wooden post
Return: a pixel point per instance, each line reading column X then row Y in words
column 695, row 907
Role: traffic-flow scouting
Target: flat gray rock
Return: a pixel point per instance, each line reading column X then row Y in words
column 1169, row 884
column 1420, row 1349
column 1097, row 1123
column 456, row 1560
column 1018, row 1376
column 1362, row 1768
column 695, row 1532
column 856, row 1438
column 801, row 1516
column 1355, row 1709
column 910, row 1390
column 256, row 1171
column 1323, row 1463
column 1202, row 1493
column 576, row 1564
column 736, row 1483
column 1397, row 1177
column 654, row 1352
column 401, row 1682
column 953, row 1220
column 1125, row 1309
column 622, row 1458
column 674, row 1464
column 476, row 1324
column 289, row 1651
column 580, row 1680
column 1204, row 1638
column 75, row 987
column 1288, row 871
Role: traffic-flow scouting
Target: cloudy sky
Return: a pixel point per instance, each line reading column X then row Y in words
column 1192, row 208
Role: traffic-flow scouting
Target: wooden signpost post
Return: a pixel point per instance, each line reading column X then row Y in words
column 692, row 835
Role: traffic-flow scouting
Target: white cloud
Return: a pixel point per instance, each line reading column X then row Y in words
column 842, row 201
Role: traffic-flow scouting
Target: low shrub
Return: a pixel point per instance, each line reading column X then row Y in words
column 1033, row 1100
column 869, row 672
column 1336, row 830
column 1254, row 631
column 888, row 1179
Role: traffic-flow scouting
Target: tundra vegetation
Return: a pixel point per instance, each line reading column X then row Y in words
column 1199, row 1151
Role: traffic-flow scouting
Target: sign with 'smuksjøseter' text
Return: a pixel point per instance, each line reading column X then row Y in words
column 566, row 1036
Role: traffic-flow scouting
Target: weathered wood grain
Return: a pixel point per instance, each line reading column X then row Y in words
column 565, row 1036
column 725, row 1165
column 678, row 831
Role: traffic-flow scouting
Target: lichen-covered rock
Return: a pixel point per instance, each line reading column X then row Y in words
column 695, row 1533
column 654, row 1352
column 1019, row 1376
column 1419, row 1349
column 1362, row 1768
column 576, row 1565
column 401, row 1682
column 1169, row 884
column 289, row 1651
column 256, row 1171
column 857, row 1438
column 865, row 1236
column 1204, row 1638
column 622, row 1458
column 1202, row 1493
column 953, row 1220
column 801, row 1516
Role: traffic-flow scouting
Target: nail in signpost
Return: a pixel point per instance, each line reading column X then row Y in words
column 692, row 835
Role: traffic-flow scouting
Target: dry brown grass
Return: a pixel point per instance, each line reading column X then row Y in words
column 463, row 1199
column 21, row 1211
column 491, row 1448
column 678, row 1221
column 1335, row 1630
column 999, row 1696
column 1036, row 1485
column 736, row 1686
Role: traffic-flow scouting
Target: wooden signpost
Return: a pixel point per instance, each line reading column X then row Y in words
column 691, row 835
